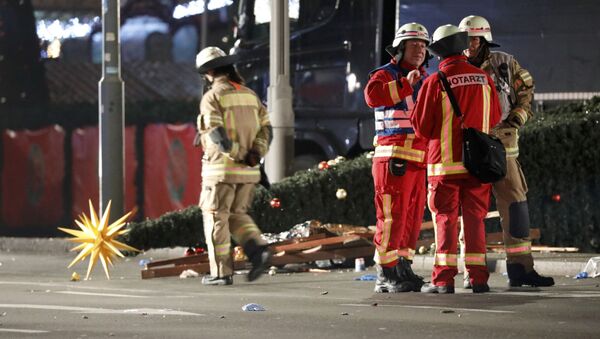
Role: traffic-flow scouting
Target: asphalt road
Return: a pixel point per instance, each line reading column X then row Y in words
column 37, row 300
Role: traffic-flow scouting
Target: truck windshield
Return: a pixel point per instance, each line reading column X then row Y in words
column 303, row 14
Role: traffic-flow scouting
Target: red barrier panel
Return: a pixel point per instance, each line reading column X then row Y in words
column 172, row 168
column 84, row 178
column 32, row 178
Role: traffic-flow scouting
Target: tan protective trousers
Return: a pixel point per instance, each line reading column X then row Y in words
column 511, row 202
column 224, row 214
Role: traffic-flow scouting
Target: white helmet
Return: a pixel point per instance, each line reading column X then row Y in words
column 408, row 31
column 448, row 40
column 211, row 58
column 477, row 25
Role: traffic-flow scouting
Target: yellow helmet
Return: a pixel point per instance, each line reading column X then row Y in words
column 477, row 25
column 408, row 31
column 211, row 58
column 448, row 40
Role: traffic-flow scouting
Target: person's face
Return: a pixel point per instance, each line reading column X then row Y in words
column 209, row 76
column 474, row 45
column 414, row 52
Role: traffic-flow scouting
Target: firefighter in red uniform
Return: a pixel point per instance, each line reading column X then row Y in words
column 451, row 188
column 398, row 163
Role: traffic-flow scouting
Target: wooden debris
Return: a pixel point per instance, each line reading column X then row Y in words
column 313, row 248
column 326, row 242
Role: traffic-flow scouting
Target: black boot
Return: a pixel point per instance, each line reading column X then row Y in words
column 518, row 277
column 388, row 281
column 259, row 256
column 482, row 288
column 405, row 273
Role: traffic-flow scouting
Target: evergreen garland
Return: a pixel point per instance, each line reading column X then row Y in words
column 558, row 152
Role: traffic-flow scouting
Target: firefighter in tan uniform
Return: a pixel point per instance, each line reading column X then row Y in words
column 515, row 87
column 234, row 131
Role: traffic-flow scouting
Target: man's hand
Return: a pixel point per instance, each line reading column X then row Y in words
column 413, row 76
column 252, row 158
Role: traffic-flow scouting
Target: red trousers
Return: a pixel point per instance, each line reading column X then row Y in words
column 400, row 204
column 446, row 198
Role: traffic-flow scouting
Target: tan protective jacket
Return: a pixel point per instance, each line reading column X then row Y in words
column 239, row 110
column 515, row 90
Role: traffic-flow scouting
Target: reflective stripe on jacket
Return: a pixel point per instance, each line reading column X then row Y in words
column 240, row 112
column 392, row 100
column 433, row 117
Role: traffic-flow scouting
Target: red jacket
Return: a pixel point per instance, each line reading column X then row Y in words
column 392, row 97
column 433, row 117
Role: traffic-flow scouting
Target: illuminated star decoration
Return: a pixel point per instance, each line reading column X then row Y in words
column 97, row 239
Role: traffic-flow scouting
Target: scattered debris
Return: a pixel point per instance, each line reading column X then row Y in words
column 75, row 276
column 366, row 277
column 324, row 245
column 189, row 274
column 253, row 308
column 143, row 262
column 592, row 268
column 238, row 254
column 321, row 245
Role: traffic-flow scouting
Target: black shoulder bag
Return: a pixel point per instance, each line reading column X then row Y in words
column 484, row 155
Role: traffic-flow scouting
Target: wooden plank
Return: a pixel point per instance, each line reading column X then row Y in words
column 341, row 253
column 311, row 244
column 159, row 272
column 298, row 257
column 202, row 258
column 186, row 260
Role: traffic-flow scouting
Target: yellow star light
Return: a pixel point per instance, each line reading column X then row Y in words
column 97, row 239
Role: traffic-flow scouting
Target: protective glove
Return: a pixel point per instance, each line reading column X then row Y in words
column 252, row 158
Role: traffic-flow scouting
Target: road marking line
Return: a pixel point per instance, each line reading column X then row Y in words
column 63, row 285
column 103, row 294
column 17, row 330
column 432, row 307
column 98, row 310
column 582, row 294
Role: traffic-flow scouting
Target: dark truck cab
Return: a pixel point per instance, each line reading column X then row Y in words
column 333, row 46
